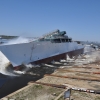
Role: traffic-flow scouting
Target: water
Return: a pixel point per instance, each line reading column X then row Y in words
column 3, row 81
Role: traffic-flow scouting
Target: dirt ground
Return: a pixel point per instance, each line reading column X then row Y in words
column 79, row 73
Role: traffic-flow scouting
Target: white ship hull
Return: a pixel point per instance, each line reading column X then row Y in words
column 39, row 52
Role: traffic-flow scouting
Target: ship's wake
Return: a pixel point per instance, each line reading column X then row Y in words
column 6, row 67
column 20, row 40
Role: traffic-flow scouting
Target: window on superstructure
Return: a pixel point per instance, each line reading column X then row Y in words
column 63, row 40
column 56, row 40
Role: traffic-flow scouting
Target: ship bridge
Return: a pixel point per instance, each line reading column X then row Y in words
column 56, row 36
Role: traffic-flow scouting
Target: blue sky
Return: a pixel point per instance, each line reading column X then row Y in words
column 79, row 18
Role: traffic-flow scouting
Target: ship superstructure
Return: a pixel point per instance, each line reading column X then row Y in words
column 51, row 47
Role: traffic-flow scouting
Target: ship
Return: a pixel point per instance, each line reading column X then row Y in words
column 50, row 47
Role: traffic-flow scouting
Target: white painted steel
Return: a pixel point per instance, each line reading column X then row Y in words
column 24, row 53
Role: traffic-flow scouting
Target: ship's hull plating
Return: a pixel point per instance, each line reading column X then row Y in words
column 59, row 57
column 39, row 52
